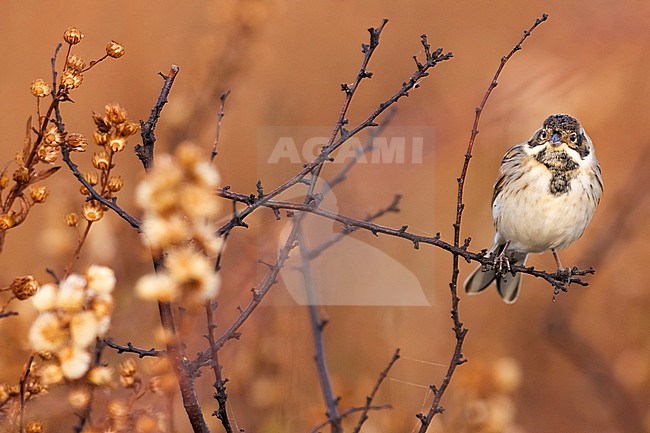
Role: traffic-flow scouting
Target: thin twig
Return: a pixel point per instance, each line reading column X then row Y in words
column 342, row 175
column 130, row 348
column 77, row 252
column 220, row 115
column 23, row 383
column 432, row 59
column 317, row 327
column 145, row 151
column 219, row 382
column 559, row 279
column 319, row 249
column 382, row 376
column 460, row 331
column 351, row 411
column 94, row 194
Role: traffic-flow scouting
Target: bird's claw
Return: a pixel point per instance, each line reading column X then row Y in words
column 500, row 262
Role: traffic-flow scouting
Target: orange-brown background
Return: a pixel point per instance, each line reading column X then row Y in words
column 284, row 62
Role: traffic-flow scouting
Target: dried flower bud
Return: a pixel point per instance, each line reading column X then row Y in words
column 47, row 153
column 4, row 392
column 117, row 409
column 21, row 175
column 101, row 122
column 4, row 181
column 100, row 138
column 115, row 113
column 38, row 193
column 72, row 219
column 100, row 376
column 115, row 183
column 50, row 374
column 40, row 88
column 71, row 79
column 128, row 128
column 73, row 36
column 115, row 49
column 77, row 142
column 79, row 398
column 92, row 211
column 24, row 287
column 128, row 381
column 75, row 62
column 34, row 387
column 102, row 307
column 53, row 137
column 34, row 427
column 45, row 355
column 128, row 367
column 101, row 161
column 7, row 221
column 91, row 177
column 13, row 390
column 116, row 143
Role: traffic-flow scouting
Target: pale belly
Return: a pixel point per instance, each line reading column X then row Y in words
column 534, row 220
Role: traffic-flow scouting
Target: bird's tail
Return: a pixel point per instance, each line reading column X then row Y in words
column 507, row 284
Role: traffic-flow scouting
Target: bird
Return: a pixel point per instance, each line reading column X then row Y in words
column 546, row 194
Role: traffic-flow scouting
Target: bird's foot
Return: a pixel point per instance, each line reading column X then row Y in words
column 502, row 263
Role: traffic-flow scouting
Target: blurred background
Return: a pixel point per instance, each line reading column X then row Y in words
column 580, row 364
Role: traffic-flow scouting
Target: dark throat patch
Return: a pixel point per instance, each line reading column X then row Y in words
column 562, row 169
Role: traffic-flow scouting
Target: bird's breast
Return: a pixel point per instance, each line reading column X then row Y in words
column 543, row 208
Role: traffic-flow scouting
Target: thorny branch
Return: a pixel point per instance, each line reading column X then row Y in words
column 559, row 279
column 220, row 116
column 459, row 330
column 111, row 204
column 432, row 58
column 351, row 411
column 187, row 371
column 145, row 151
column 219, row 382
column 317, row 328
column 382, row 376
column 130, row 348
column 23, row 390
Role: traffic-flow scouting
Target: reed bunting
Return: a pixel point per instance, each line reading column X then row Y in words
column 547, row 191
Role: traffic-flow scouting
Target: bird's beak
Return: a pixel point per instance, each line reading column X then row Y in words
column 556, row 139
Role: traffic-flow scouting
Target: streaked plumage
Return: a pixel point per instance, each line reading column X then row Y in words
column 546, row 194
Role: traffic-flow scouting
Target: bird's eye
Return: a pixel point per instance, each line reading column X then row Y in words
column 543, row 135
column 574, row 138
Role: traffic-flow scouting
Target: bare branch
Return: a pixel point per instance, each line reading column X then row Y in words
column 92, row 192
column 219, row 382
column 559, row 279
column 130, row 348
column 370, row 398
column 432, row 59
column 145, row 151
column 351, row 411
column 459, row 330
column 23, row 390
column 220, row 115
column 317, row 327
